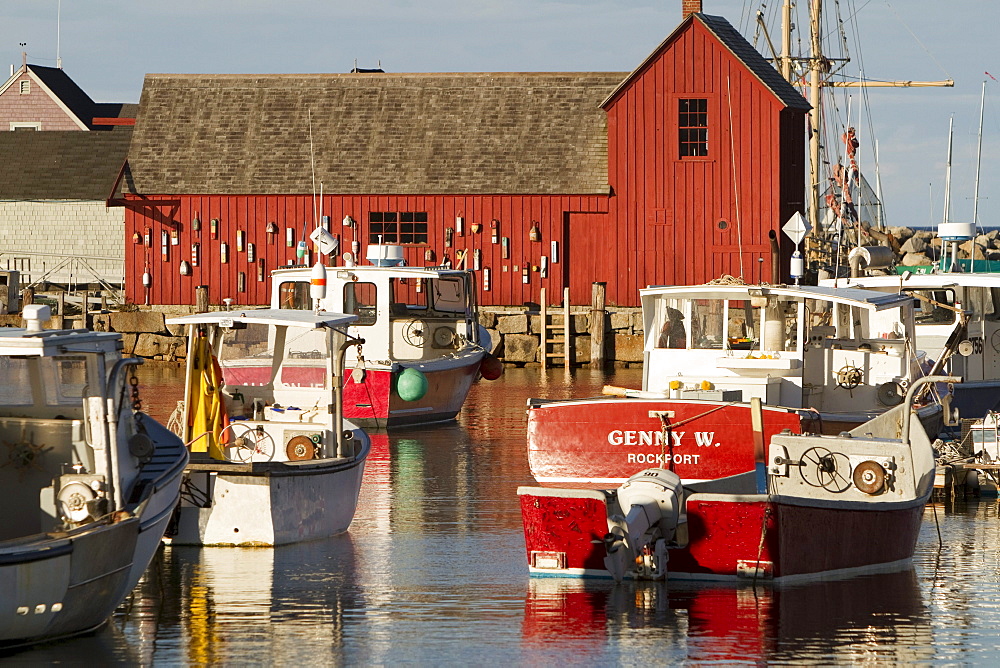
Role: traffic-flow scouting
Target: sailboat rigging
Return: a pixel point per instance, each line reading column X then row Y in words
column 835, row 186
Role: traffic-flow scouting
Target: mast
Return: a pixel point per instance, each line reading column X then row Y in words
column 786, row 40
column 816, row 67
column 947, row 174
column 979, row 162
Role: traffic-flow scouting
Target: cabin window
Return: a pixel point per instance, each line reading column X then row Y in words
column 670, row 320
column 16, row 388
column 692, row 123
column 65, row 379
column 930, row 307
column 397, row 227
column 706, row 323
column 409, row 294
column 294, row 295
column 360, row 300
column 449, row 294
column 980, row 302
column 992, row 300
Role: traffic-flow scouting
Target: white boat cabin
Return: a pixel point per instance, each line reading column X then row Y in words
column 66, row 422
column 835, row 350
column 281, row 375
column 403, row 313
column 939, row 298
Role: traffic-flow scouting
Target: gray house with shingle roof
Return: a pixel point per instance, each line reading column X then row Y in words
column 677, row 172
column 60, row 155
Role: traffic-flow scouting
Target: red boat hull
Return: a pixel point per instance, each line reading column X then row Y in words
column 601, row 442
column 374, row 403
column 728, row 537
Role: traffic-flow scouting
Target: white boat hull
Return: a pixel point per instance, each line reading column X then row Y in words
column 284, row 503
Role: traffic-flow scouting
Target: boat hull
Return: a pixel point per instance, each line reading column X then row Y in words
column 374, row 402
column 271, row 504
column 59, row 585
column 728, row 537
column 602, row 441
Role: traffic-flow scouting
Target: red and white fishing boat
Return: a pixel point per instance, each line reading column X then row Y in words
column 423, row 344
column 820, row 359
column 827, row 506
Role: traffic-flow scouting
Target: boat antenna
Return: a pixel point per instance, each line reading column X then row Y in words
column 312, row 161
column 58, row 30
column 979, row 162
column 947, row 172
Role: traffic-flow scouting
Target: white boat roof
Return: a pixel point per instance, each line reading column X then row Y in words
column 51, row 342
column 867, row 299
column 267, row 316
column 943, row 280
column 398, row 272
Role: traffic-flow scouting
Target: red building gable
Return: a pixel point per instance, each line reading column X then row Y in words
column 679, row 172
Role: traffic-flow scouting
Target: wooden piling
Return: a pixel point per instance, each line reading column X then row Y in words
column 598, row 293
column 201, row 298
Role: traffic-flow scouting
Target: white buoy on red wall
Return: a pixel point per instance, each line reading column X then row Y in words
column 317, row 284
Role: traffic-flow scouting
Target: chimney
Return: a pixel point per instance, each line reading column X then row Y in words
column 689, row 7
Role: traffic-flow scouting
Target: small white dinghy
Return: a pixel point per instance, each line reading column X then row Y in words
column 89, row 481
column 273, row 461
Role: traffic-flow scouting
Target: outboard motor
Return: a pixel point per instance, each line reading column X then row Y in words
column 651, row 505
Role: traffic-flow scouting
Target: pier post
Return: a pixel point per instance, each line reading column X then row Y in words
column 598, row 295
column 201, row 298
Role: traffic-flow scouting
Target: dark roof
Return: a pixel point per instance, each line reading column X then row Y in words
column 61, row 165
column 755, row 62
column 77, row 100
column 731, row 38
column 481, row 133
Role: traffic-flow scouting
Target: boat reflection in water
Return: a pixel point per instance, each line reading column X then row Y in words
column 226, row 604
column 876, row 618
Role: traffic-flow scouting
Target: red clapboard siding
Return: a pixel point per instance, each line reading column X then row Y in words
column 666, row 219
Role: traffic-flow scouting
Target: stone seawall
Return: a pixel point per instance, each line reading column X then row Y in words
column 516, row 333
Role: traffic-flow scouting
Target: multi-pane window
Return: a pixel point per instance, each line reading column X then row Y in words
column 692, row 122
column 397, row 227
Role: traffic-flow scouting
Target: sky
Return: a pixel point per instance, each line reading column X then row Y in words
column 107, row 47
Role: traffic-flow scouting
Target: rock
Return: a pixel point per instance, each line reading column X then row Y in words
column 512, row 324
column 914, row 244
column 628, row 347
column 901, row 234
column 488, row 319
column 158, row 346
column 138, row 322
column 916, row 260
column 621, row 320
column 520, row 348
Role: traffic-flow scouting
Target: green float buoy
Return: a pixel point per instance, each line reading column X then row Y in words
column 411, row 385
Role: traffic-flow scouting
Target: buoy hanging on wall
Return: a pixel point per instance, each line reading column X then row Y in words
column 411, row 384
column 185, row 268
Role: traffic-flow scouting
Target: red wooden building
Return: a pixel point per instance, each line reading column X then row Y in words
column 679, row 172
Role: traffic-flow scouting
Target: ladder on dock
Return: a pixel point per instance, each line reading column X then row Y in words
column 554, row 332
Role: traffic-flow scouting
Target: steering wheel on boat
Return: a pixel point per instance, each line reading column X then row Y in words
column 414, row 332
column 849, row 377
column 820, row 467
column 244, row 443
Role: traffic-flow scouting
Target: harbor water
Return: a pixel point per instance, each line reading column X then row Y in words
column 433, row 572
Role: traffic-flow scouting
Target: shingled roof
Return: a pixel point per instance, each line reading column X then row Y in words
column 481, row 133
column 61, row 165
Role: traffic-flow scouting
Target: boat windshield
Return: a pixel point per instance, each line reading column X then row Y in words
column 262, row 355
column 65, row 379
